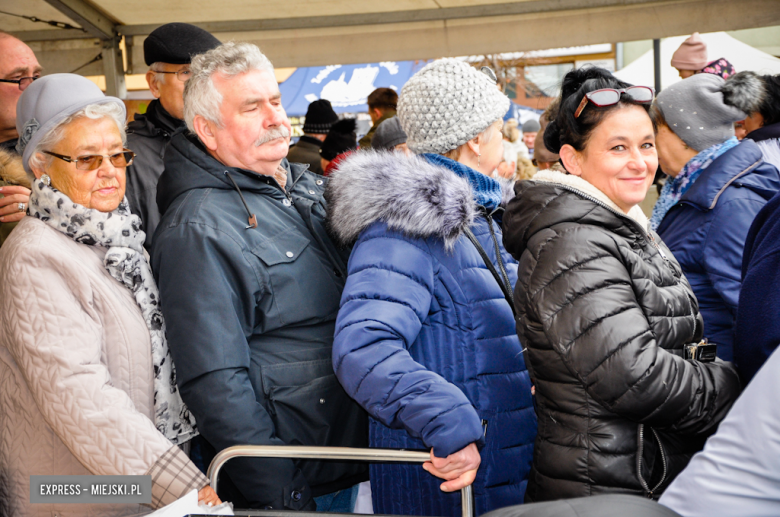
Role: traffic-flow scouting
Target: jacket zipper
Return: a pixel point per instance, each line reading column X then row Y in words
column 648, row 492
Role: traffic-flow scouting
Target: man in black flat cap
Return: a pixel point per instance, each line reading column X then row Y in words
column 319, row 117
column 168, row 51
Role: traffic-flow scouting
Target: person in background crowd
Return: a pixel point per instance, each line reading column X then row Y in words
column 340, row 143
column 738, row 473
column 530, row 130
column 513, row 142
column 381, row 106
column 319, row 118
column 18, row 69
column 604, row 309
column 525, row 169
column 716, row 187
column 390, row 136
column 168, row 51
column 543, row 158
column 425, row 337
column 247, row 228
column 691, row 58
column 87, row 380
column 763, row 124
column 739, row 130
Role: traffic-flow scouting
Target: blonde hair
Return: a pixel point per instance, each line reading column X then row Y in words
column 510, row 130
column 525, row 168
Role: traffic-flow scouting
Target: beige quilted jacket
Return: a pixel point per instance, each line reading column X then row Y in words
column 76, row 392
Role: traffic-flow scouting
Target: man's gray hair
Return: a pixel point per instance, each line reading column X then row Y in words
column 201, row 97
column 109, row 110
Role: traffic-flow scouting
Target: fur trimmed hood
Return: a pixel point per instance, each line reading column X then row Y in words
column 745, row 91
column 407, row 193
column 11, row 169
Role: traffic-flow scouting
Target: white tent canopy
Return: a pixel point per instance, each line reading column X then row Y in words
column 719, row 44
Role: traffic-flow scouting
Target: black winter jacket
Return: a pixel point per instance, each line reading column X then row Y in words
column 603, row 309
column 148, row 136
column 250, row 316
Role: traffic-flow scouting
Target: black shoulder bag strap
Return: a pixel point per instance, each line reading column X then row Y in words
column 504, row 288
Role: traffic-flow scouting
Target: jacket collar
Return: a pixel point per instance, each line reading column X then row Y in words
column 765, row 133
column 307, row 141
column 575, row 182
column 738, row 165
column 156, row 120
column 189, row 166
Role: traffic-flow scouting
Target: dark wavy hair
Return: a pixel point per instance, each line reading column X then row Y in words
column 770, row 104
column 566, row 129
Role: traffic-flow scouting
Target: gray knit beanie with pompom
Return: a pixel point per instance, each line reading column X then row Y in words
column 446, row 104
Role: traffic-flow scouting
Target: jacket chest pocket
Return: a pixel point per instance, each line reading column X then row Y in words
column 302, row 282
column 308, row 406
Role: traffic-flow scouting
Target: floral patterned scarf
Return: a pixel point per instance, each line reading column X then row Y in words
column 675, row 188
column 120, row 232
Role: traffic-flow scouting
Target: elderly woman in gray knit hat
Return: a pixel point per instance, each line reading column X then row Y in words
column 716, row 186
column 87, row 380
column 425, row 338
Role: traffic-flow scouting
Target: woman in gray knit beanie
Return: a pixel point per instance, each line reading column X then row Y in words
column 716, row 186
column 425, row 337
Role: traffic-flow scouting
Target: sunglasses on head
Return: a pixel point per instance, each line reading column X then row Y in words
column 611, row 96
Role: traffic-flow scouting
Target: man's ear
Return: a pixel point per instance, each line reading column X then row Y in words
column 571, row 160
column 205, row 129
column 377, row 112
column 151, row 80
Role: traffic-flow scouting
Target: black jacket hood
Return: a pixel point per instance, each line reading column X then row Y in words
column 189, row 166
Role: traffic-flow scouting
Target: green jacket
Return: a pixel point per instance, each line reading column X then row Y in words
column 365, row 142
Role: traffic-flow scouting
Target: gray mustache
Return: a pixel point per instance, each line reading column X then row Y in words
column 273, row 134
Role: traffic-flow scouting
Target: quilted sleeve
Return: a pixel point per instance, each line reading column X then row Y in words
column 582, row 296
column 51, row 330
column 384, row 304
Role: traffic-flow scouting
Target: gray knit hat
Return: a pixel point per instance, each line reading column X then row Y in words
column 531, row 126
column 47, row 102
column 388, row 134
column 446, row 104
column 695, row 111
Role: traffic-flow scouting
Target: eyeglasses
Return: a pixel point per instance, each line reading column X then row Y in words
column 23, row 83
column 90, row 162
column 611, row 96
column 181, row 75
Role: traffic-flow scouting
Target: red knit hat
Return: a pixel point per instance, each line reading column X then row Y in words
column 692, row 54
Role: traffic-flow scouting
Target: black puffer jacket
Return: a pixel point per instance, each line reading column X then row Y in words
column 602, row 306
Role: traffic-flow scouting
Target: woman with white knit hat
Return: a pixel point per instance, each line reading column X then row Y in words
column 425, row 338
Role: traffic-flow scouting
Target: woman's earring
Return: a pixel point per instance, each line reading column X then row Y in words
column 46, row 179
column 479, row 155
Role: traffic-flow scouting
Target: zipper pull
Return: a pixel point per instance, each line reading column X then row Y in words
column 655, row 244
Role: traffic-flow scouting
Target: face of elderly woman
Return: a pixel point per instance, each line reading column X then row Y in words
column 103, row 188
column 619, row 158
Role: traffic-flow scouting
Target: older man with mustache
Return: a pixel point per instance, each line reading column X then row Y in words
column 250, row 285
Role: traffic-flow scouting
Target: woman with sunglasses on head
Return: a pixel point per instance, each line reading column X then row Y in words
column 604, row 309
column 716, row 187
column 87, row 381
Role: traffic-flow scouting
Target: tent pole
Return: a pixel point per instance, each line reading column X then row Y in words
column 657, row 64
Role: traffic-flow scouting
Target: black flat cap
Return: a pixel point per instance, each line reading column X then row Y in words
column 176, row 43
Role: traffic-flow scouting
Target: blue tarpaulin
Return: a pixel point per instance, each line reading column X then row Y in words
column 345, row 86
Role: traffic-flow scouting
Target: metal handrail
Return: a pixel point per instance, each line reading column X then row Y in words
column 328, row 453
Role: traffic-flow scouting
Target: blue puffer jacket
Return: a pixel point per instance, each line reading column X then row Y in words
column 706, row 231
column 425, row 340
